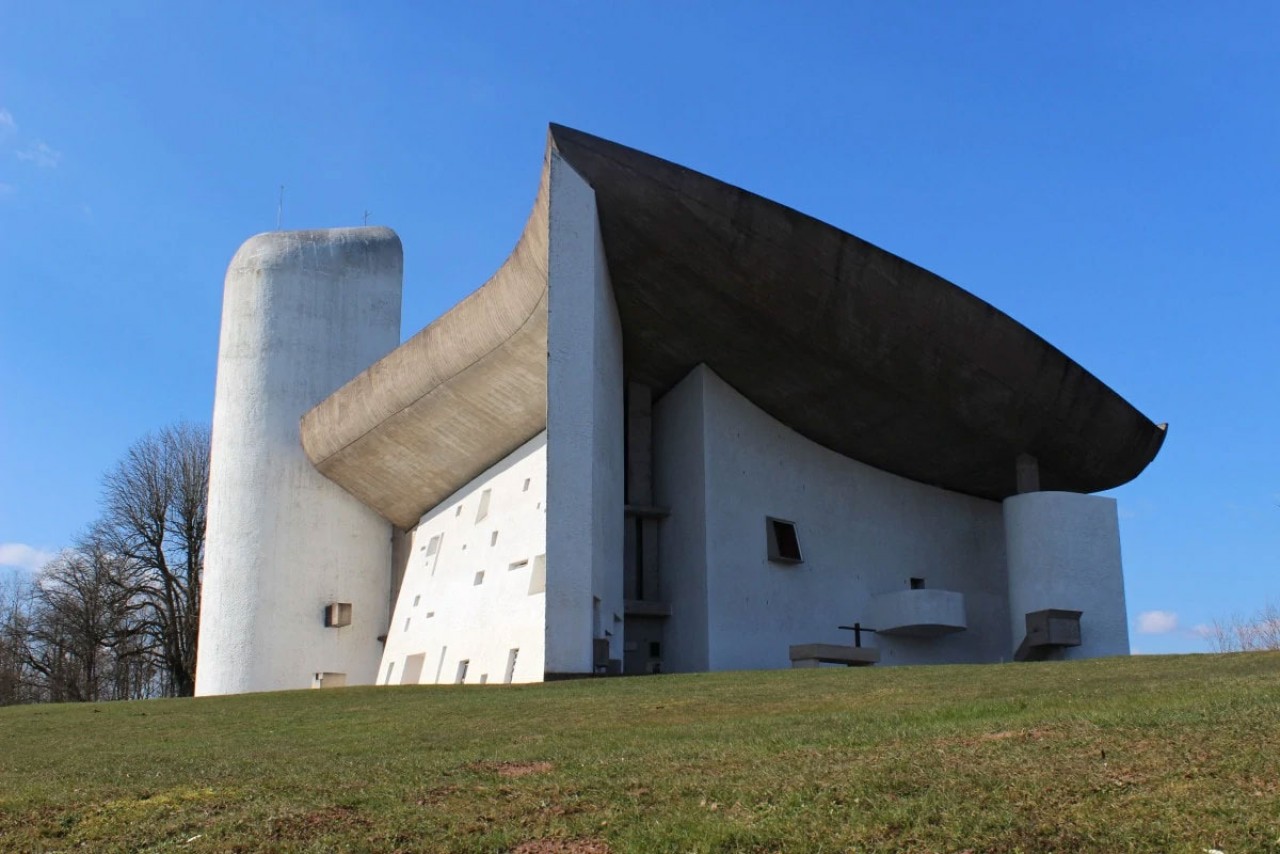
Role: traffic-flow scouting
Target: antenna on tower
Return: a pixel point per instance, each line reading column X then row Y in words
column 280, row 208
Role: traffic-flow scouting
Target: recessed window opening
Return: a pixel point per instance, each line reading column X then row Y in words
column 462, row 671
column 390, row 667
column 917, row 583
column 493, row 538
column 520, row 564
column 416, row 600
column 511, row 666
column 483, row 510
column 526, row 484
column 484, row 678
column 784, row 541
column 538, row 575
column 479, row 578
column 655, row 649
column 433, row 546
column 458, row 512
column 430, row 614
column 406, row 623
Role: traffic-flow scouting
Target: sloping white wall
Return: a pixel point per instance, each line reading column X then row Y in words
column 862, row 532
column 303, row 313
column 1064, row 552
column 446, row 613
column 585, row 416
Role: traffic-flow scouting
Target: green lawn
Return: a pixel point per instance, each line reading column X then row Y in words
column 1134, row 754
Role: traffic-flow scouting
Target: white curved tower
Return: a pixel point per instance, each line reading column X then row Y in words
column 303, row 313
column 1063, row 551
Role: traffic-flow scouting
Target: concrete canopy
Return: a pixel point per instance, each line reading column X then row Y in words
column 849, row 345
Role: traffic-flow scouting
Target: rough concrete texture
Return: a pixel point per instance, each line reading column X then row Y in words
column 303, row 312
column 851, row 346
column 452, row 400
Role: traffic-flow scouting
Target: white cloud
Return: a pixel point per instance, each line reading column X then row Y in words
column 1203, row 630
column 41, row 154
column 7, row 124
column 24, row 556
column 1157, row 622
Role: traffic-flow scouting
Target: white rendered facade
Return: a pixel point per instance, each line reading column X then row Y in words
column 631, row 529
column 302, row 313
column 474, row 587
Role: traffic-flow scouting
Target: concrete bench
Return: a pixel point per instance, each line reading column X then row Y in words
column 813, row 654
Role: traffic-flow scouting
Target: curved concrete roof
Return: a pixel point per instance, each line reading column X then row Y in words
column 850, row 345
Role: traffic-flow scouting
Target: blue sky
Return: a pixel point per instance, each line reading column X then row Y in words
column 1108, row 174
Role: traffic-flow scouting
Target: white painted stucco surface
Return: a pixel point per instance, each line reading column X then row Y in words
column 585, row 464
column 303, row 312
column 679, row 484
column 1064, row 552
column 863, row 532
column 443, row 614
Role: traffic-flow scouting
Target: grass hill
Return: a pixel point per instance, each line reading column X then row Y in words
column 1137, row 754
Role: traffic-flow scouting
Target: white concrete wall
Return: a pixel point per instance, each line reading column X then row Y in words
column 443, row 614
column 303, row 312
column 679, row 484
column 585, row 417
column 1064, row 552
column 862, row 531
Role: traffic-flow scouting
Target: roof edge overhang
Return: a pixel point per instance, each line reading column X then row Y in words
column 850, row 345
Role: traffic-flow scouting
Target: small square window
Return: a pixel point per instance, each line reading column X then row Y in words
column 479, row 578
column 917, row 583
column 784, row 542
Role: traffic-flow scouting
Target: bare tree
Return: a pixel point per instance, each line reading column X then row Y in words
column 16, row 604
column 1239, row 634
column 155, row 503
column 83, row 626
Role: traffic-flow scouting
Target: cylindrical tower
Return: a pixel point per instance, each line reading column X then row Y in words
column 303, row 312
column 1063, row 551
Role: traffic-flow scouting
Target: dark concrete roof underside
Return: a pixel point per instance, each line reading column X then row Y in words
column 849, row 345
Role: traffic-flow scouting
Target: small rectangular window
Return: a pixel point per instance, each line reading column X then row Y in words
column 337, row 615
column 917, row 584
column 416, row 600
column 433, row 546
column 458, row 512
column 479, row 579
column 462, row 671
column 538, row 576
column 520, row 564
column 493, row 538
column 482, row 511
column 784, row 542
column 406, row 623
column 511, row 666
column 655, row 649
column 526, row 485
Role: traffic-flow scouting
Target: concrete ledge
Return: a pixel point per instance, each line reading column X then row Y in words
column 813, row 654
column 927, row 613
